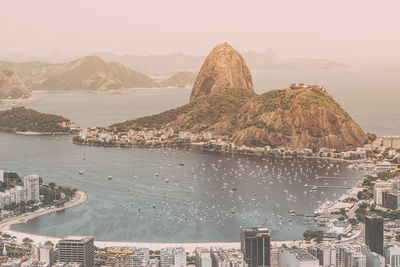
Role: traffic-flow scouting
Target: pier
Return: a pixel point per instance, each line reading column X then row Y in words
column 336, row 177
column 333, row 186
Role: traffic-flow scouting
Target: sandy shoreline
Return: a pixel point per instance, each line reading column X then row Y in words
column 5, row 226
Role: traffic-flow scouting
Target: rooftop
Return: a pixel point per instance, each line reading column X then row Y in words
column 301, row 254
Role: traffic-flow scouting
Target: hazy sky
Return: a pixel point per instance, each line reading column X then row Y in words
column 307, row 28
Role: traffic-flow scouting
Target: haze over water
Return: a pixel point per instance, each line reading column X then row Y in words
column 194, row 205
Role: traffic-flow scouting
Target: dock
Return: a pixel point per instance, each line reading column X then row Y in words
column 336, row 177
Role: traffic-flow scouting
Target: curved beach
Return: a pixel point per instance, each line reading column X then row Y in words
column 80, row 198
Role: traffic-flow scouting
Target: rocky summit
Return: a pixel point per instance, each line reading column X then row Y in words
column 224, row 68
column 223, row 102
column 11, row 86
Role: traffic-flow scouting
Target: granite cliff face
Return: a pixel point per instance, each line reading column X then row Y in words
column 11, row 86
column 223, row 69
column 223, row 102
column 297, row 117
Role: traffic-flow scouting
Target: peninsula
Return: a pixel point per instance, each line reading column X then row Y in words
column 223, row 104
column 28, row 121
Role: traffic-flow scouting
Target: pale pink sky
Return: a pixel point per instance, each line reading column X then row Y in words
column 307, row 28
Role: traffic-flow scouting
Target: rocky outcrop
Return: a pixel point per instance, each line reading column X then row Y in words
column 11, row 86
column 223, row 69
column 223, row 102
column 304, row 118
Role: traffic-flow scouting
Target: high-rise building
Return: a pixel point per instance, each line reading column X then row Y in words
column 2, row 176
column 179, row 257
column 172, row 257
column 390, row 199
column 46, row 255
column 326, row 254
column 140, row 257
column 202, row 257
column 166, row 257
column 256, row 246
column 31, row 187
column 374, row 233
column 77, row 249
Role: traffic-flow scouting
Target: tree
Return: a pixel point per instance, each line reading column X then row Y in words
column 27, row 241
column 48, row 243
column 371, row 137
column 52, row 185
column 317, row 235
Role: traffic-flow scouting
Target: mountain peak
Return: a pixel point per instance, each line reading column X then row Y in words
column 224, row 68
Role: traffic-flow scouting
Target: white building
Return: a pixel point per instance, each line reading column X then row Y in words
column 5, row 199
column 202, row 257
column 2, row 176
column 379, row 188
column 326, row 254
column 180, row 257
column 358, row 259
column 392, row 255
column 46, row 255
column 167, row 257
column 297, row 258
column 140, row 257
column 31, row 186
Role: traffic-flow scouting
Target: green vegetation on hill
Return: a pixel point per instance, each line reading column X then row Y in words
column 198, row 115
column 294, row 117
column 20, row 119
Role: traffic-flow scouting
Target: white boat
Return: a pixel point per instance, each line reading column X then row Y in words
column 81, row 172
column 109, row 177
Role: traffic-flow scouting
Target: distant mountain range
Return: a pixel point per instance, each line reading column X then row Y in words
column 268, row 60
column 154, row 65
column 11, row 86
column 89, row 73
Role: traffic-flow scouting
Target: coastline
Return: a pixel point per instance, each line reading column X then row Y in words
column 190, row 247
column 18, row 101
column 5, row 225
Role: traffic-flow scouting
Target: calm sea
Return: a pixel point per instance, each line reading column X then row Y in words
column 151, row 198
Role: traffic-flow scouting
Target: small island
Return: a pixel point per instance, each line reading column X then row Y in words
column 21, row 120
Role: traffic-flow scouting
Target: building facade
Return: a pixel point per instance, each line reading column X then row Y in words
column 77, row 250
column 255, row 244
column 374, row 233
